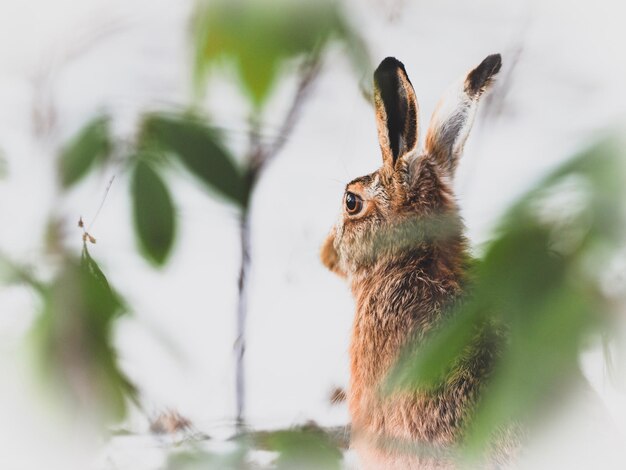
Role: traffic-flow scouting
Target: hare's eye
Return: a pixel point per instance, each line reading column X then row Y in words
column 354, row 203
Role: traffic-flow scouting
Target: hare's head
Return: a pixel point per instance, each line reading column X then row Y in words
column 407, row 203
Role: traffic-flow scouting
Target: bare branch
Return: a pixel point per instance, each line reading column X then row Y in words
column 258, row 158
column 308, row 74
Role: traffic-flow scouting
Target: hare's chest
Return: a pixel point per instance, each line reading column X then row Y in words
column 389, row 315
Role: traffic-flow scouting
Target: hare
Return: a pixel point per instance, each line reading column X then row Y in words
column 404, row 278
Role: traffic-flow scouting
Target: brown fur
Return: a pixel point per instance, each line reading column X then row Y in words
column 405, row 258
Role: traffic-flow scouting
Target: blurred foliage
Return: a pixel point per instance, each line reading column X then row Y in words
column 200, row 150
column 155, row 222
column 261, row 40
column 73, row 340
column 92, row 145
column 259, row 36
column 199, row 459
column 307, row 447
column 73, row 333
column 543, row 281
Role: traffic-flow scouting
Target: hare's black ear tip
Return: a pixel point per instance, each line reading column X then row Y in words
column 389, row 64
column 493, row 63
column 479, row 78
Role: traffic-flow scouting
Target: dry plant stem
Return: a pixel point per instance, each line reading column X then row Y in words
column 259, row 157
column 242, row 308
column 310, row 71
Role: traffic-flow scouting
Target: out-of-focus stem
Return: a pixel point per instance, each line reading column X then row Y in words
column 258, row 158
column 240, row 345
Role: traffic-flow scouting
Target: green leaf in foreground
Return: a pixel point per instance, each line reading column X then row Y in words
column 153, row 213
column 229, row 459
column 92, row 143
column 541, row 280
column 303, row 448
column 73, row 339
column 259, row 36
column 199, row 149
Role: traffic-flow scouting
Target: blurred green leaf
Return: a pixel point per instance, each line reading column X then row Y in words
column 428, row 365
column 233, row 459
column 92, row 143
column 153, row 213
column 73, row 336
column 550, row 299
column 258, row 36
column 540, row 281
column 307, row 447
column 200, row 151
column 539, row 366
column 108, row 298
column 304, row 448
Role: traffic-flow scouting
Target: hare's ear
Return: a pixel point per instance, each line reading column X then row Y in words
column 453, row 118
column 396, row 111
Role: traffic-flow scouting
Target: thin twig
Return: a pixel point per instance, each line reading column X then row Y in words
column 242, row 309
column 310, row 71
column 259, row 157
column 104, row 198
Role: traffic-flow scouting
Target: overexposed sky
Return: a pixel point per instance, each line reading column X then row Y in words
column 62, row 61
